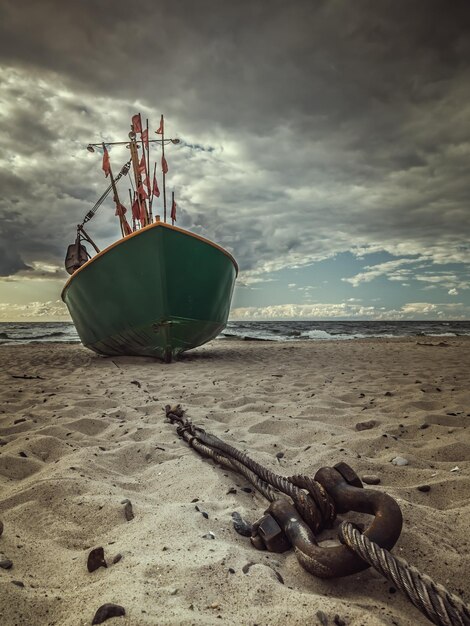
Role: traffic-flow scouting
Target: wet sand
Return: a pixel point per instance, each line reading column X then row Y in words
column 82, row 433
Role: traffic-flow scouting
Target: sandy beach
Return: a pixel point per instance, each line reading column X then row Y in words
column 80, row 434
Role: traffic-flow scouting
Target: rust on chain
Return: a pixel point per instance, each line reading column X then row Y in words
column 337, row 561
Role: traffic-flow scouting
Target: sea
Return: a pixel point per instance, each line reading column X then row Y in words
column 15, row 333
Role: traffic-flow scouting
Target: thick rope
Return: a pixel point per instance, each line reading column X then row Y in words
column 432, row 599
column 314, row 505
column 317, row 509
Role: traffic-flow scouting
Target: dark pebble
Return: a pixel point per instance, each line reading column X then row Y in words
column 117, row 558
column 136, row 382
column 203, row 513
column 128, row 512
column 231, row 570
column 247, row 489
column 322, row 618
column 365, row 425
column 392, row 590
column 388, row 394
column 18, row 583
column 195, row 500
column 424, row 488
column 339, row 621
column 19, row 421
column 23, row 454
column 279, row 577
column 1, row 527
column 279, row 455
column 246, row 567
column 106, row 611
column 5, row 563
column 231, row 490
column 96, row 559
column 424, row 426
column 241, row 526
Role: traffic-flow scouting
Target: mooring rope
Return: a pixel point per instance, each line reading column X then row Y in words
column 310, row 498
column 432, row 599
column 317, row 509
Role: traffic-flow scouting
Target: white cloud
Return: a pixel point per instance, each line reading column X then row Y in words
column 34, row 311
column 390, row 269
column 324, row 311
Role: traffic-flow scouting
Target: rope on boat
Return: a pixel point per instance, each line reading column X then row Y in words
column 318, row 510
column 104, row 195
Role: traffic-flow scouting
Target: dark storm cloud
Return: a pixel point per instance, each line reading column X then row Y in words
column 315, row 127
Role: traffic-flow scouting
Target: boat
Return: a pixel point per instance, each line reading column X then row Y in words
column 158, row 290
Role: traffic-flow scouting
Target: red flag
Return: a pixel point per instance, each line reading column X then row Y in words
column 106, row 164
column 137, row 123
column 142, row 193
column 136, row 210
column 147, row 182
column 164, row 165
column 143, row 212
column 127, row 228
column 173, row 211
column 120, row 209
column 156, row 190
column 142, row 165
column 145, row 137
column 160, row 128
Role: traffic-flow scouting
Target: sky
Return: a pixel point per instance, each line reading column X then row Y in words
column 325, row 144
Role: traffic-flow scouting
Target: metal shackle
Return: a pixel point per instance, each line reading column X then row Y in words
column 337, row 561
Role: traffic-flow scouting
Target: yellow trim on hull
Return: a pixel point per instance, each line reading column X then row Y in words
column 138, row 232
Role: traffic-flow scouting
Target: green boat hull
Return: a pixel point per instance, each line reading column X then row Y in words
column 159, row 292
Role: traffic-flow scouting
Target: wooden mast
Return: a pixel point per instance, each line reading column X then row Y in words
column 135, row 168
column 163, row 168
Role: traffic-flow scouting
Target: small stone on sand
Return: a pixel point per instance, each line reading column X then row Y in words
column 5, row 563
column 365, row 425
column 106, row 611
column 371, row 479
column 209, row 535
column 128, row 511
column 400, row 461
column 424, row 488
column 96, row 559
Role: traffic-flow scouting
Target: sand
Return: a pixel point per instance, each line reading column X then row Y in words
column 86, row 432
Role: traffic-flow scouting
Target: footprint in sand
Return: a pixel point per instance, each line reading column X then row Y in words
column 237, row 402
column 17, row 467
column 88, row 426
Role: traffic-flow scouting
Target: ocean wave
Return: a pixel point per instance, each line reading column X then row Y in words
column 33, row 337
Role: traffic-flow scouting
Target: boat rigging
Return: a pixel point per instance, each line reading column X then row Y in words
column 143, row 192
